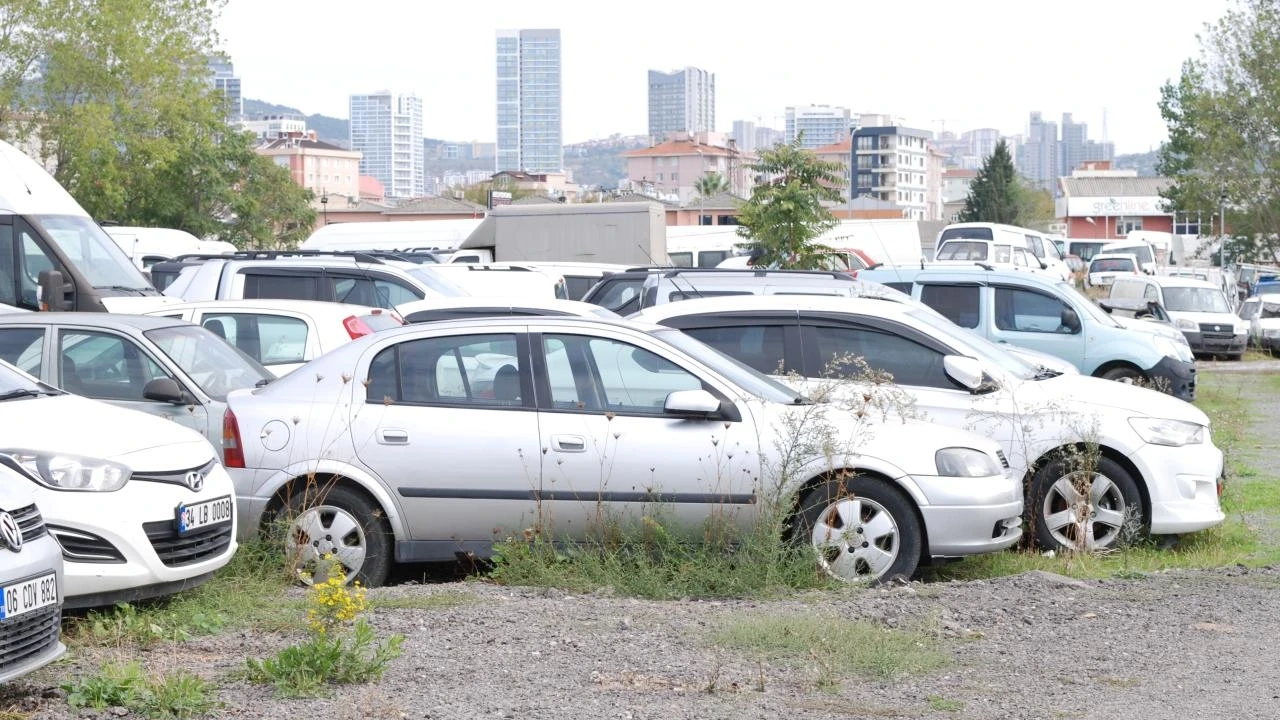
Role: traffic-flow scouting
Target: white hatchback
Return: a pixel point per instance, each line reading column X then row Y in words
column 139, row 505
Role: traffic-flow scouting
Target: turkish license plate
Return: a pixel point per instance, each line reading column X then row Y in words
column 203, row 514
column 22, row 597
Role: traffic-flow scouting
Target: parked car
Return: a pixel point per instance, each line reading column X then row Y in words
column 281, row 335
column 506, row 279
column 579, row 277
column 1158, row 467
column 160, row 366
column 456, row 434
column 140, row 505
column 1197, row 307
column 420, row 311
column 1000, row 246
column 1262, row 312
column 631, row 291
column 1049, row 315
column 31, row 583
column 1104, row 268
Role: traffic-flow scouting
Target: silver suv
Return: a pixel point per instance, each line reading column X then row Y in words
column 30, row 581
column 352, row 278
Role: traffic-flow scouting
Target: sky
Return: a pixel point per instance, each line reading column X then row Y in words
column 948, row 65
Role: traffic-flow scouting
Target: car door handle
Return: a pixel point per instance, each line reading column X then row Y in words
column 393, row 437
column 569, row 443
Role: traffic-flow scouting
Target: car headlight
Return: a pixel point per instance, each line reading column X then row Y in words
column 965, row 462
column 71, row 472
column 1174, row 433
column 1187, row 325
column 1173, row 348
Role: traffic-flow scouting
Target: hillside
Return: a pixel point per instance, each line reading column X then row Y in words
column 1144, row 163
column 329, row 129
column 600, row 162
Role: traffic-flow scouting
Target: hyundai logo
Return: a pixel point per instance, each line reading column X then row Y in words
column 195, row 480
column 10, row 533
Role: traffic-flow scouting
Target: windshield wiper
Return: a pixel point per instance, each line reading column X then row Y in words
column 1045, row 373
column 802, row 400
column 122, row 288
column 25, row 393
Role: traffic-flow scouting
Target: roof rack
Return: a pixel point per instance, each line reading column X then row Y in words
column 369, row 256
column 760, row 272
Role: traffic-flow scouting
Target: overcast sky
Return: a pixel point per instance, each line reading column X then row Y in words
column 958, row 64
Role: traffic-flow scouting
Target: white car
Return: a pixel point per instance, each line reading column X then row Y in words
column 505, row 279
column 1262, row 312
column 139, row 504
column 1158, row 469
column 497, row 305
column 1198, row 308
column 441, row 438
column 579, row 277
column 1104, row 268
column 30, row 580
column 282, row 335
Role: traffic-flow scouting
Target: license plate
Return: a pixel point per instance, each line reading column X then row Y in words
column 203, row 514
column 21, row 598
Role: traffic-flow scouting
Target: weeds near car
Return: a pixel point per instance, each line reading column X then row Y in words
column 941, row 704
column 834, row 647
column 341, row 647
column 171, row 695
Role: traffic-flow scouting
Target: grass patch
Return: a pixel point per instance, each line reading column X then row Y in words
column 247, row 592
column 171, row 695
column 835, row 647
column 654, row 562
column 941, row 704
column 432, row 601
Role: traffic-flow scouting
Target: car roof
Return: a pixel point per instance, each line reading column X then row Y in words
column 964, row 273
column 1173, row 281
column 880, row 306
column 497, row 302
column 534, row 321
column 115, row 321
column 302, row 306
column 1113, row 256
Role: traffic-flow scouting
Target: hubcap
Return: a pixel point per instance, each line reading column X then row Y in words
column 1084, row 510
column 856, row 539
column 325, row 530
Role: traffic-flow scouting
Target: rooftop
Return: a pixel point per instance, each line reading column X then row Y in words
column 1113, row 186
column 681, row 147
column 285, row 143
column 844, row 147
column 436, row 205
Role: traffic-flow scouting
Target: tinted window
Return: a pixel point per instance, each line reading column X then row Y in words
column 575, row 286
column 902, row 287
column 692, row 294
column 23, row 347
column 712, row 258
column 681, row 259
column 1027, row 311
column 269, row 339
column 481, row 370
column 909, row 362
column 621, row 295
column 104, row 366
column 282, row 287
column 759, row 346
column 591, row 373
column 1111, row 265
column 957, row 303
column 976, row 233
column 8, row 278
column 963, row 251
column 371, row 292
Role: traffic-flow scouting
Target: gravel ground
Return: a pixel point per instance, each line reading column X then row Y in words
column 1193, row 644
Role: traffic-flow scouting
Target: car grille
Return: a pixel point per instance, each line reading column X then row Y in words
column 1004, row 461
column 1217, row 331
column 29, row 635
column 29, row 522
column 175, row 477
column 81, row 546
column 196, row 546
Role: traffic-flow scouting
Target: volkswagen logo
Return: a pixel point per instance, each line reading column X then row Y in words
column 195, row 480
column 10, row 533
column 1217, row 327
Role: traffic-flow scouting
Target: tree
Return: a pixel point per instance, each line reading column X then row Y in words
column 710, row 185
column 785, row 212
column 995, row 194
column 1223, row 116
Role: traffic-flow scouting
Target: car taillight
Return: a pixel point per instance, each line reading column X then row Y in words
column 356, row 327
column 232, row 451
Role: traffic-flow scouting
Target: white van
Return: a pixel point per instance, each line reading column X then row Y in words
column 147, row 246
column 445, row 235
column 1044, row 253
column 1198, row 308
column 509, row 279
column 1143, row 250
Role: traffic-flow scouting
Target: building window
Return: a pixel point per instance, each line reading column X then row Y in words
column 659, row 177
column 726, row 219
column 704, row 220
column 1126, row 225
column 675, row 177
column 1186, row 223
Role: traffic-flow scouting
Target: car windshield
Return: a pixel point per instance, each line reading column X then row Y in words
column 1193, row 299
column 1269, row 311
column 1090, row 307
column 437, row 283
column 93, row 253
column 963, row 251
column 745, row 377
column 212, row 363
column 970, row 342
column 968, row 233
column 14, row 381
column 1111, row 265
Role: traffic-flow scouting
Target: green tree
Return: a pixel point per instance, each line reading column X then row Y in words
column 710, row 185
column 1223, row 116
column 19, row 56
column 996, row 194
column 786, row 212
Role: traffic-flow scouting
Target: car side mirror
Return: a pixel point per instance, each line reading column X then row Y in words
column 165, row 390
column 965, row 370
column 53, row 291
column 692, row 403
column 1044, row 265
column 1070, row 320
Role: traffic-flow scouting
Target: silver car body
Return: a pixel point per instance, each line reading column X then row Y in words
column 30, row 582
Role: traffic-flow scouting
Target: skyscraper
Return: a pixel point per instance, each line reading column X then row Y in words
column 744, row 135
column 1039, row 158
column 681, row 101
column 387, row 128
column 821, row 124
column 530, row 133
column 223, row 76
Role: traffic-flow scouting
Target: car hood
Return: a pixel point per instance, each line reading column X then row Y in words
column 1035, row 357
column 14, row 494
column 138, row 305
column 1090, row 392
column 1155, row 327
column 97, row 430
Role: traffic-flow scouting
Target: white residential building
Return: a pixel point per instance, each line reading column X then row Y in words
column 530, row 130
column 821, row 124
column 681, row 101
column 897, row 164
column 386, row 128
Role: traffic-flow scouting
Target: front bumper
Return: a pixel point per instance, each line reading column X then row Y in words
column 31, row 640
column 1213, row 345
column 1183, row 483
column 968, row 516
column 127, row 543
column 1175, row 377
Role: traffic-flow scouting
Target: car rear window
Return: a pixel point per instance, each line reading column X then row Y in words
column 1111, row 265
column 963, row 251
column 967, row 233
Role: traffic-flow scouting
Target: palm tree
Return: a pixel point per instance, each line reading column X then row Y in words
column 709, row 185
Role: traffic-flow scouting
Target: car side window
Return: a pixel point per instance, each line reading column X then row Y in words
column 957, row 303
column 620, row 294
column 1248, row 311
column 1033, row 244
column 1002, row 253
column 838, row 350
column 23, row 348
column 104, row 366
column 605, row 375
column 372, row 292
column 269, row 339
column 467, row 370
column 1151, row 294
column 1020, row 258
column 1027, row 311
column 281, row 286
column 760, row 346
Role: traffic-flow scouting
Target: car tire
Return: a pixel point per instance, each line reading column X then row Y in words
column 343, row 522
column 1125, row 374
column 862, row 529
column 1055, row 505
